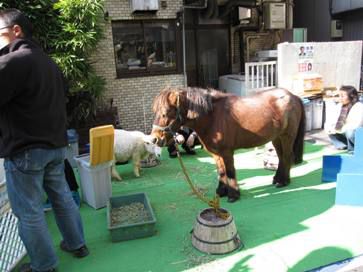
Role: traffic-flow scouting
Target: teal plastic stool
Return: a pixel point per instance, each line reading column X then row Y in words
column 349, row 190
column 347, row 171
column 344, row 163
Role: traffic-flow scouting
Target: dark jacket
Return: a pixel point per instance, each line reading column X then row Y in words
column 32, row 100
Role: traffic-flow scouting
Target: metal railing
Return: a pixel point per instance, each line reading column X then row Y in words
column 260, row 75
column 12, row 249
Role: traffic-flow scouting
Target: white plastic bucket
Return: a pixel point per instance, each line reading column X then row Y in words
column 308, row 106
column 95, row 181
column 317, row 113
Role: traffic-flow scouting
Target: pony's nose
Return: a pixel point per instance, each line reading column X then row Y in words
column 161, row 142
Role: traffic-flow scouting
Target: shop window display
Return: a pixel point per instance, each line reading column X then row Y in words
column 144, row 47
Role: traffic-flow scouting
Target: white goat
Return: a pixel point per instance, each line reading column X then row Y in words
column 133, row 145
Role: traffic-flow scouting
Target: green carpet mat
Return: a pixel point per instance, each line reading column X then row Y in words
column 294, row 228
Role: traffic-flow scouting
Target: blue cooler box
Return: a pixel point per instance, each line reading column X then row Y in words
column 72, row 149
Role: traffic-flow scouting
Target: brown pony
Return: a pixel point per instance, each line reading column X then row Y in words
column 226, row 122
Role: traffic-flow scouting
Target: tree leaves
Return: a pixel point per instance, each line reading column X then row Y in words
column 68, row 30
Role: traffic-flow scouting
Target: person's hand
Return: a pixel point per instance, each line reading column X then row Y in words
column 191, row 139
column 329, row 129
column 179, row 139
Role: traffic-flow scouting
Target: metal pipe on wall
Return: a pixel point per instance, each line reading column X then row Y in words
column 184, row 57
column 289, row 14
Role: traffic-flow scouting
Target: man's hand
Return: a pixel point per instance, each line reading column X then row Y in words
column 179, row 139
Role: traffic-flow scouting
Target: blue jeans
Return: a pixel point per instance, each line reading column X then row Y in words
column 343, row 140
column 28, row 175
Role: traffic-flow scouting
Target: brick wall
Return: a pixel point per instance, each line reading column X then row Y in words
column 132, row 96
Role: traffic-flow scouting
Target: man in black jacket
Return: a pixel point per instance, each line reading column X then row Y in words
column 33, row 142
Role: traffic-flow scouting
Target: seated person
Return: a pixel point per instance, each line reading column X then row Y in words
column 187, row 138
column 342, row 132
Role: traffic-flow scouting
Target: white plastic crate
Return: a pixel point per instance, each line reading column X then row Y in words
column 3, row 197
column 12, row 249
column 2, row 172
column 95, row 181
column 317, row 113
column 4, row 202
column 308, row 106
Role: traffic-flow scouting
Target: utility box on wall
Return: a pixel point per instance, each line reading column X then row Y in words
column 144, row 5
column 274, row 15
column 336, row 29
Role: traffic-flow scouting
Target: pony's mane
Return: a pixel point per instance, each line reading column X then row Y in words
column 198, row 100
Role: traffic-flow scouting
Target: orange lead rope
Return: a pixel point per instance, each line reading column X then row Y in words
column 214, row 203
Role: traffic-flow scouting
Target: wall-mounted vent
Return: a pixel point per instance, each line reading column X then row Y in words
column 144, row 5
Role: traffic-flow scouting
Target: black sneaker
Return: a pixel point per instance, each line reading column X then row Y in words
column 79, row 253
column 173, row 154
column 189, row 151
column 27, row 268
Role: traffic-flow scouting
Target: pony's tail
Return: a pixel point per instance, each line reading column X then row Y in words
column 299, row 140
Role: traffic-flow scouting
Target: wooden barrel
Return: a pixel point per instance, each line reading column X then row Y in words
column 214, row 235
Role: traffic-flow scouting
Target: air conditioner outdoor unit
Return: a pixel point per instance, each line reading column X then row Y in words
column 244, row 13
column 266, row 54
column 144, row 5
column 246, row 17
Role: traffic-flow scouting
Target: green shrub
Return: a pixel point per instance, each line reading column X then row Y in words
column 69, row 30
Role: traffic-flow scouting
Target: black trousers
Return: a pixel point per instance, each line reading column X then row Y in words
column 70, row 177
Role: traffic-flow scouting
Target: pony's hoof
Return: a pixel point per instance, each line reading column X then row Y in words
column 222, row 190
column 233, row 195
column 275, row 180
